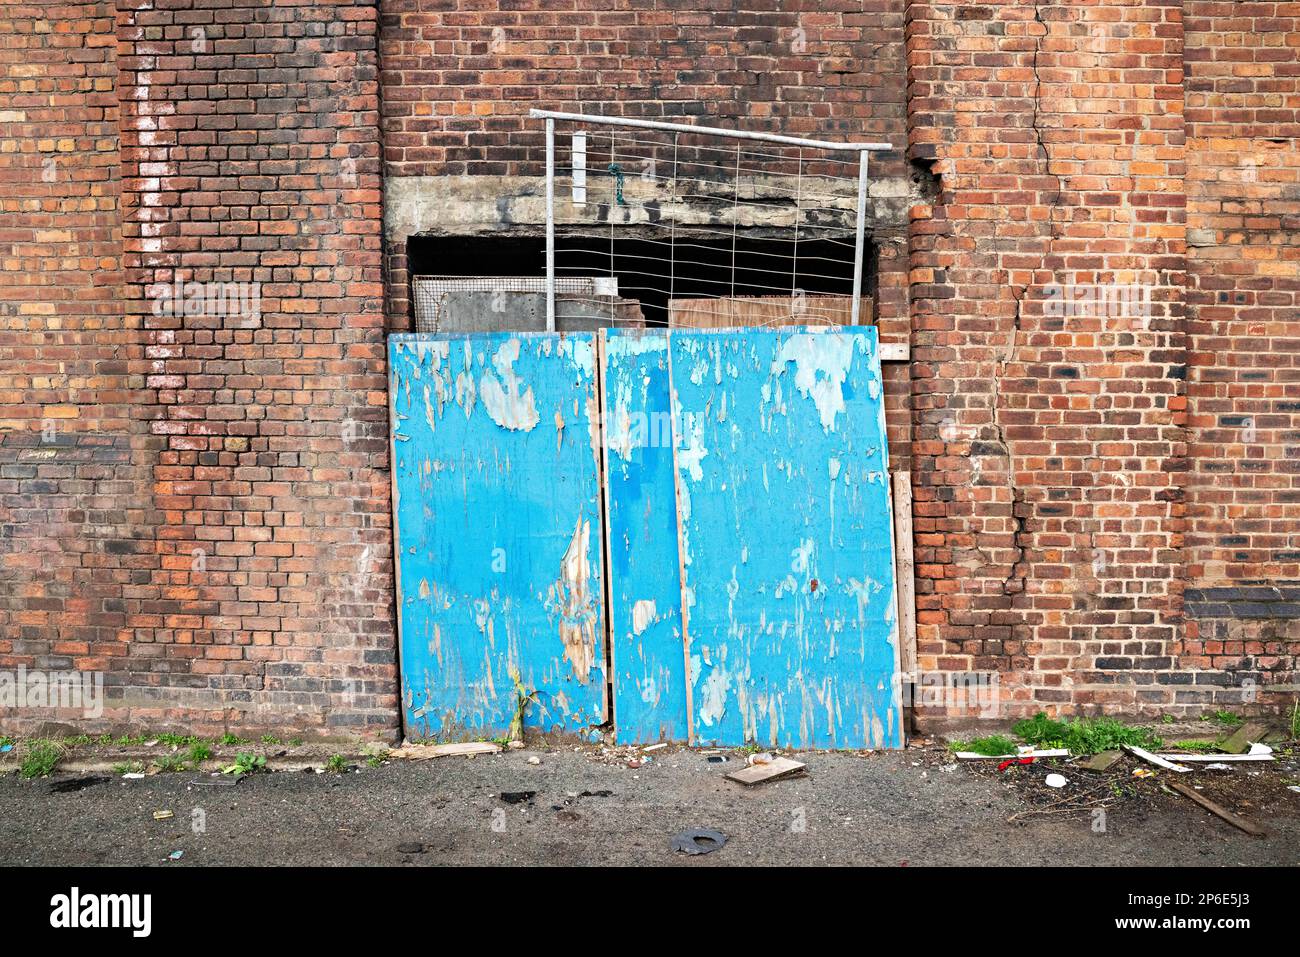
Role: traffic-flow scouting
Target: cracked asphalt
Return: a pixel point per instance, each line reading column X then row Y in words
column 884, row 808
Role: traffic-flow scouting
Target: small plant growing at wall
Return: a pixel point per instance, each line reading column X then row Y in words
column 229, row 739
column 170, row 764
column 991, row 745
column 270, row 739
column 40, row 757
column 246, row 764
column 128, row 767
column 199, row 752
column 336, row 764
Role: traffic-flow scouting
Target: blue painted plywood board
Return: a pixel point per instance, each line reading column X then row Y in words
column 496, row 503
column 648, row 657
column 785, row 537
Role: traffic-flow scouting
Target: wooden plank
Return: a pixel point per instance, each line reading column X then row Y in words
column 1258, row 752
column 786, row 538
column 1216, row 809
column 1243, row 737
column 649, row 672
column 906, row 573
column 1102, row 761
column 1046, row 753
column 895, row 352
column 767, row 771
column 464, row 748
column 1154, row 759
column 749, row 311
column 499, row 561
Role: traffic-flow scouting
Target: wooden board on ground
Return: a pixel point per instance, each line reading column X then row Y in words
column 768, row 771
column 1102, row 761
column 1188, row 791
column 421, row 751
column 1247, row 734
column 1154, row 758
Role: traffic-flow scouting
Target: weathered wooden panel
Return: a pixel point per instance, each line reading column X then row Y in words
column 645, row 586
column 496, row 499
column 728, row 311
column 785, row 536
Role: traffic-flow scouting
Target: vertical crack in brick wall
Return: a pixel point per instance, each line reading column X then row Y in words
column 1047, row 445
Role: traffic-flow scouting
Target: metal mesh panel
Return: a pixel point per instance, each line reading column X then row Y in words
column 430, row 292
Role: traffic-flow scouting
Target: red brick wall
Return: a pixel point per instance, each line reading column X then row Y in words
column 1243, row 327
column 1047, row 447
column 1106, row 504
column 72, row 491
column 255, row 587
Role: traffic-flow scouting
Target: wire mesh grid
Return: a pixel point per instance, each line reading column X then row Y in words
column 710, row 231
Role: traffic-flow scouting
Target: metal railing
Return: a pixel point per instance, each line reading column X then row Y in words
column 578, row 170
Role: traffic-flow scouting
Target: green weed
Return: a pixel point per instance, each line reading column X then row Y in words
column 40, row 757
column 1083, row 735
column 992, row 745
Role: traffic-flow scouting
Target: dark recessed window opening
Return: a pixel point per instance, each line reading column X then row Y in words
column 763, row 265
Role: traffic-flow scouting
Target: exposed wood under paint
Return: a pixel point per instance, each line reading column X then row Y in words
column 906, row 573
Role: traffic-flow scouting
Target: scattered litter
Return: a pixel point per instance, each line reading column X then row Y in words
column 133, row 776
column 717, row 758
column 517, row 797
column 76, row 784
column 948, row 768
column 761, row 758
column 534, row 759
column 699, row 840
column 175, row 855
column 655, row 747
column 1218, row 766
column 162, row 815
column 1055, row 781
column 515, row 744
column 469, row 748
column 1013, row 762
column 1143, row 773
column 6, row 748
column 1293, row 787
column 1030, row 753
column 1216, row 809
column 151, row 744
column 1155, row 759
column 1257, row 752
column 1102, row 761
column 771, row 771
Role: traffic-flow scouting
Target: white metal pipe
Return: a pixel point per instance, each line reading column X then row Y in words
column 550, row 224
column 860, row 244
column 551, row 115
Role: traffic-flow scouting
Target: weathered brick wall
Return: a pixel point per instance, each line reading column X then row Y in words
column 198, row 504
column 1048, row 446
column 253, row 587
column 73, row 493
column 1243, row 192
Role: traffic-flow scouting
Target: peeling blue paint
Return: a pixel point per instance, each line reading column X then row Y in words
column 649, row 664
column 496, row 498
column 786, row 537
